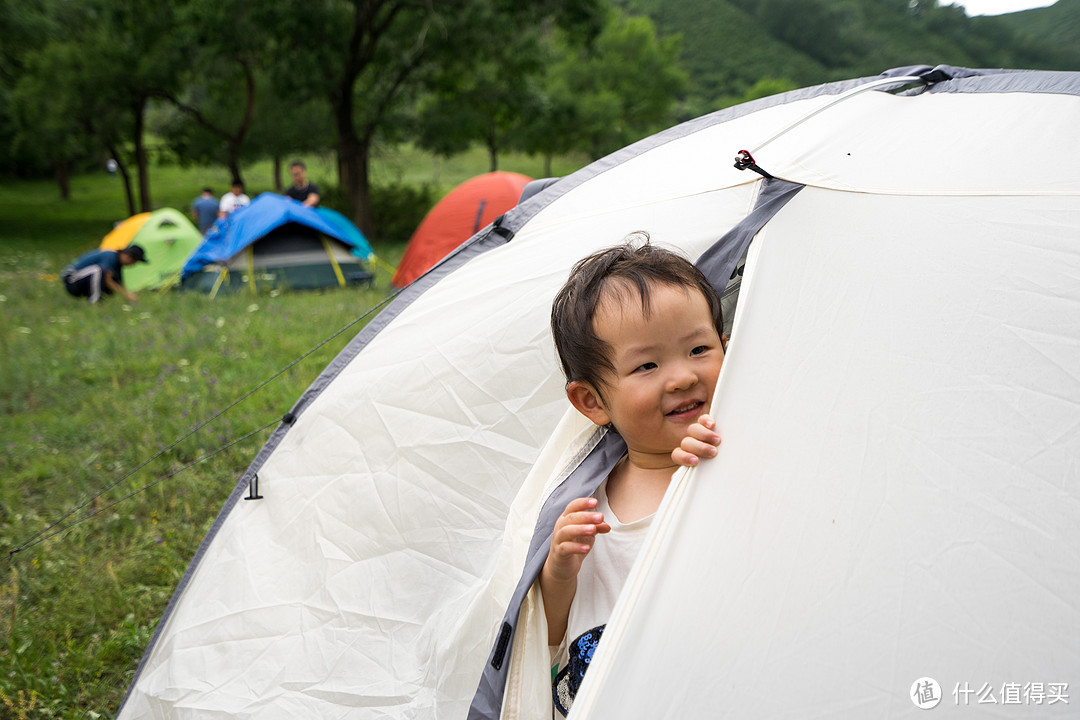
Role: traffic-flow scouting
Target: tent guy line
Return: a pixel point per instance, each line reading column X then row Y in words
column 54, row 528
column 57, row 529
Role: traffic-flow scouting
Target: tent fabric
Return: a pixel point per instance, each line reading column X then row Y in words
column 267, row 212
column 917, row 517
column 361, row 246
column 121, row 235
column 167, row 236
column 897, row 495
column 466, row 209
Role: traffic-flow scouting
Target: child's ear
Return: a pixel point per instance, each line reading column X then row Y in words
column 587, row 401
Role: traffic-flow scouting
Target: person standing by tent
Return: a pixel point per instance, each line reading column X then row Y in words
column 302, row 189
column 204, row 209
column 99, row 272
column 639, row 333
column 234, row 199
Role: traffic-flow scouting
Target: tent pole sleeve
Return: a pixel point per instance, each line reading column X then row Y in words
column 251, row 267
column 333, row 261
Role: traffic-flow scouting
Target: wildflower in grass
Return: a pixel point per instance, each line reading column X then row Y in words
column 3, row 298
column 23, row 330
column 183, row 362
column 220, row 322
column 253, row 307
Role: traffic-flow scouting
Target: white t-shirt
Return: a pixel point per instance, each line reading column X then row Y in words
column 604, row 570
column 230, row 202
column 602, row 576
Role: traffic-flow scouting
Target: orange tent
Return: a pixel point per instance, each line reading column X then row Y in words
column 467, row 208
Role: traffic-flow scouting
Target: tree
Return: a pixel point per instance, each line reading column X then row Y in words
column 490, row 101
column 50, row 131
column 370, row 56
column 223, row 81
column 26, row 28
column 600, row 99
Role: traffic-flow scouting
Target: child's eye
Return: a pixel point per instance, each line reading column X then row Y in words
column 645, row 366
column 699, row 349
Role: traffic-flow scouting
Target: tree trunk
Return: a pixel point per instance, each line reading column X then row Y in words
column 355, row 180
column 234, row 168
column 141, row 162
column 63, row 179
column 354, row 154
column 122, row 169
column 277, row 174
column 493, row 148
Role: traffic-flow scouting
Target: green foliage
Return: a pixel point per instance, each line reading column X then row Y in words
column 618, row 91
column 397, row 207
column 765, row 87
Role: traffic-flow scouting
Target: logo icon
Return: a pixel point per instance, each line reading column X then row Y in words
column 925, row 693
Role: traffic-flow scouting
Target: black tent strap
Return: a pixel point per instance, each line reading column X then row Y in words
column 745, row 161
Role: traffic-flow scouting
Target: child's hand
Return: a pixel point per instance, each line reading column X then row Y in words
column 700, row 442
column 573, row 538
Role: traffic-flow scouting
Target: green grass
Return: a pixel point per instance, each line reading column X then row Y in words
column 89, row 394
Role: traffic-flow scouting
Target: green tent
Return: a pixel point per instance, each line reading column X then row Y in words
column 168, row 238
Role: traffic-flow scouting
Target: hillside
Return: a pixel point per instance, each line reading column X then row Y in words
column 1056, row 27
column 728, row 45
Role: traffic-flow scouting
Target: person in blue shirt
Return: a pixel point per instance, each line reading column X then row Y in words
column 99, row 272
column 205, row 209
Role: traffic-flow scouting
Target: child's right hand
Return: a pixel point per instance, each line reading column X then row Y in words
column 700, row 442
column 573, row 538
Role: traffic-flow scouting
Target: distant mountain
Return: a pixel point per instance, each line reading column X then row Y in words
column 729, row 45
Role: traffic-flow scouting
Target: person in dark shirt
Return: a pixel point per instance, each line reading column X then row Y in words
column 99, row 272
column 301, row 189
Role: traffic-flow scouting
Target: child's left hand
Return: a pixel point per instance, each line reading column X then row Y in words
column 700, row 442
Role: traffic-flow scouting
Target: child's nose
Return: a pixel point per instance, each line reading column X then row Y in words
column 681, row 378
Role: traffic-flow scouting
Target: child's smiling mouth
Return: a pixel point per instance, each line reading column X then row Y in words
column 689, row 407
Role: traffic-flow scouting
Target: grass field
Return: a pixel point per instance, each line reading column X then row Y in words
column 125, row 427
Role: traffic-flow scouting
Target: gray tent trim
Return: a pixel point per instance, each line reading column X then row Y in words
column 601, row 454
column 506, row 226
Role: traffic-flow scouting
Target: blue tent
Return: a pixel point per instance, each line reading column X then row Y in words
column 277, row 241
column 349, row 230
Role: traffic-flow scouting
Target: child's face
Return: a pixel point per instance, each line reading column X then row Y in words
column 666, row 366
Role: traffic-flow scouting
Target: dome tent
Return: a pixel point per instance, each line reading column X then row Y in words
column 168, row 238
column 898, row 412
column 472, row 205
column 277, row 241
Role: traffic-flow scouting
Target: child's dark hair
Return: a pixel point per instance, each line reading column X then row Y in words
column 622, row 269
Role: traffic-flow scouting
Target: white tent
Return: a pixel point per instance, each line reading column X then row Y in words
column 897, row 498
